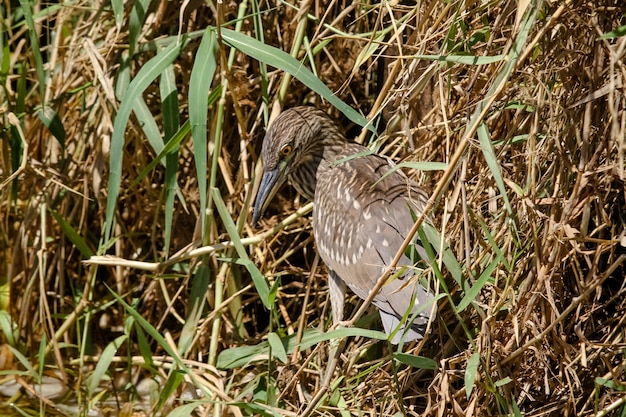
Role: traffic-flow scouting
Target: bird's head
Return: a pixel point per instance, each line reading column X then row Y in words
column 292, row 148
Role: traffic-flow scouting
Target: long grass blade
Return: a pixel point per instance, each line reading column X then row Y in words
column 471, row 295
column 104, row 361
column 259, row 280
column 27, row 9
column 279, row 59
column 471, row 372
column 171, row 124
column 72, row 234
column 490, row 157
column 146, row 75
column 199, row 85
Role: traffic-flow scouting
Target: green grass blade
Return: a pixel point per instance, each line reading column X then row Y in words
column 279, row 59
column 144, row 346
column 170, row 147
column 24, row 362
column 518, row 413
column 421, row 166
column 449, row 260
column 27, row 9
column 258, row 279
column 472, row 293
column 617, row 33
column 118, row 12
column 195, row 308
column 244, row 355
column 493, row 245
column 415, row 361
column 490, row 157
column 258, row 30
column 148, row 124
column 146, row 75
column 137, row 18
column 424, row 166
column 41, row 357
column 8, row 327
column 51, row 120
column 171, row 124
column 104, row 362
column 199, row 86
column 184, row 410
column 153, row 332
column 462, row 59
column 74, row 237
column 471, row 372
column 278, row 349
column 174, row 379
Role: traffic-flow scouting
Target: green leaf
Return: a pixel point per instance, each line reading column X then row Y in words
column 279, row 59
column 462, row 59
column 146, row 75
column 104, row 362
column 502, row 382
column 490, row 157
column 260, row 283
column 185, row 410
column 27, row 9
column 516, row 411
column 471, row 372
column 171, row 125
column 472, row 293
column 71, row 233
column 199, row 85
column 611, row 384
column 148, row 124
column 278, row 349
column 118, row 12
column 144, row 346
column 51, row 120
column 136, row 20
column 195, row 308
column 244, row 355
column 151, row 330
column 424, row 166
column 24, row 362
column 415, row 361
column 174, row 379
column 9, row 329
column 617, row 33
column 449, row 260
column 169, row 148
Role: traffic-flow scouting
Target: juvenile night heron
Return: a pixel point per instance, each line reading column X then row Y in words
column 360, row 216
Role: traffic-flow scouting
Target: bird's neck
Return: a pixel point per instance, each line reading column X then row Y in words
column 316, row 160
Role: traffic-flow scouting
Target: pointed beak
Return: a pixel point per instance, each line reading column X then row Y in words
column 270, row 183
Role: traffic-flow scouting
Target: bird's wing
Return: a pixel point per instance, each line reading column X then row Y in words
column 361, row 222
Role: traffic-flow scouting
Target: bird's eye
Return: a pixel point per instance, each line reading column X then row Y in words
column 286, row 150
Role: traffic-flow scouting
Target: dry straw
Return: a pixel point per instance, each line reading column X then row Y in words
column 511, row 113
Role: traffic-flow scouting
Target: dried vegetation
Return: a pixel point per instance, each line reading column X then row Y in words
column 534, row 210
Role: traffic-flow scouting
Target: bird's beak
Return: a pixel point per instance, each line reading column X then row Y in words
column 270, row 183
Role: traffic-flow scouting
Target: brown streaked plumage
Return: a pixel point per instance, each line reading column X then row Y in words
column 360, row 219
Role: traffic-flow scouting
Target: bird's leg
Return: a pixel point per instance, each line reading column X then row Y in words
column 337, row 292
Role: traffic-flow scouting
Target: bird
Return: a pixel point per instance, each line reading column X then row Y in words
column 363, row 210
